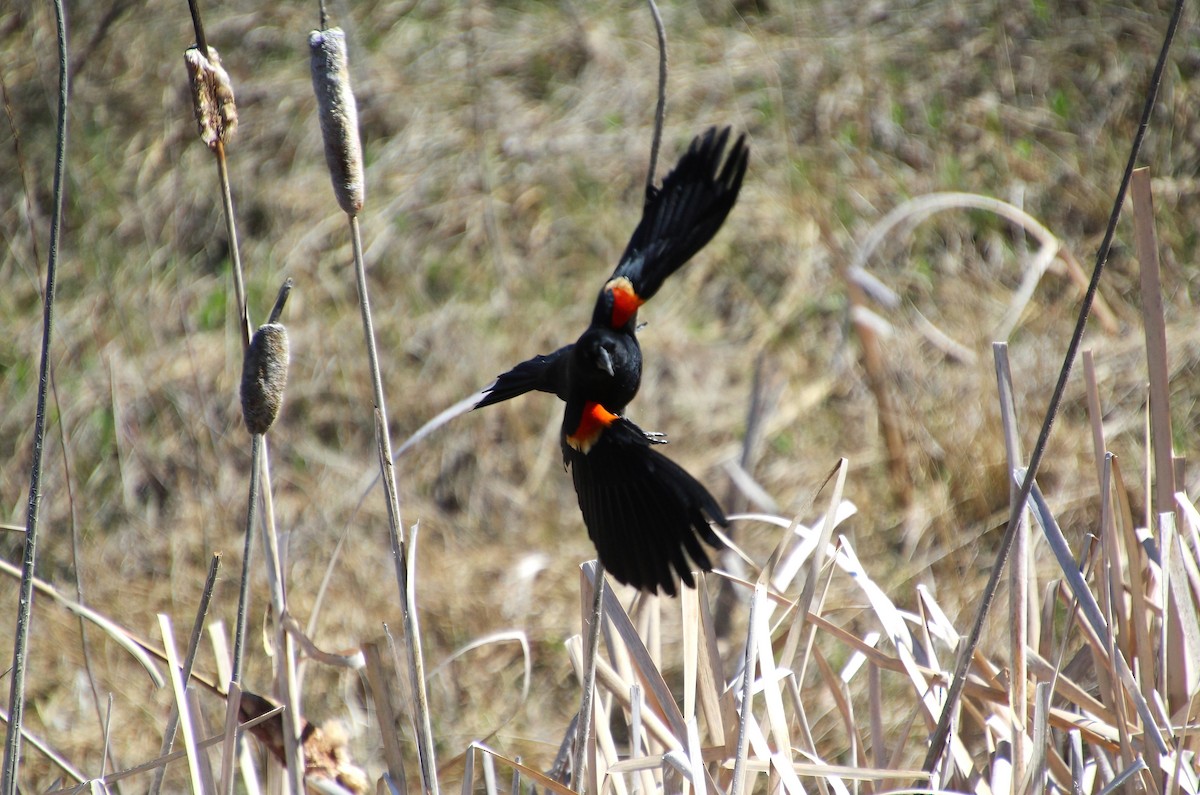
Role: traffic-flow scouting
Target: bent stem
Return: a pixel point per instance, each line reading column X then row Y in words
column 660, row 107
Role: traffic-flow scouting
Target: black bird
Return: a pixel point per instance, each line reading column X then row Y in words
column 642, row 511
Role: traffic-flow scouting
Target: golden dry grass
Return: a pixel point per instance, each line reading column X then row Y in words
column 506, row 145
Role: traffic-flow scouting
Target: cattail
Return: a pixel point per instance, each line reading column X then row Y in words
column 339, row 117
column 264, row 376
column 212, row 97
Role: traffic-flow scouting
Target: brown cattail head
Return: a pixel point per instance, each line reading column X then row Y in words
column 212, row 97
column 264, row 377
column 339, row 117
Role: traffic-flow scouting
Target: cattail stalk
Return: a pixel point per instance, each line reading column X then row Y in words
column 216, row 117
column 285, row 654
column 264, row 377
column 343, row 153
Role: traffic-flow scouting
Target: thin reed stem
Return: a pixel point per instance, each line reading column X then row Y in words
column 239, row 636
column 16, row 699
column 189, row 661
column 235, row 257
column 239, row 633
column 1018, row 587
column 660, row 108
column 937, row 743
column 218, row 149
column 749, row 660
column 76, row 562
column 198, row 26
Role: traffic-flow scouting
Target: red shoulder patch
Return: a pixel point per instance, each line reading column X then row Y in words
column 591, row 425
column 625, row 300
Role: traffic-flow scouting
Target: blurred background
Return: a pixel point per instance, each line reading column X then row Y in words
column 506, row 147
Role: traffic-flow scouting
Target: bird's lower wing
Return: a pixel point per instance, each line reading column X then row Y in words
column 642, row 510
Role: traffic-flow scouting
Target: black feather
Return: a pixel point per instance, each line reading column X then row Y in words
column 685, row 213
column 642, row 510
column 546, row 373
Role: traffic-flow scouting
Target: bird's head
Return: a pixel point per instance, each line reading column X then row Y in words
column 607, row 367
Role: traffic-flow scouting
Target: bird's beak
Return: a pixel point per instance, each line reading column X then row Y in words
column 606, row 363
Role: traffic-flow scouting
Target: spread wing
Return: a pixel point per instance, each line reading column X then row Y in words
column 642, row 510
column 678, row 219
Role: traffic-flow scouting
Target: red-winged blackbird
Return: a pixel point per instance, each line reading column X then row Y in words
column 641, row 509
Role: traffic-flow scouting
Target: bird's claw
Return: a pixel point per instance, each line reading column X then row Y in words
column 654, row 437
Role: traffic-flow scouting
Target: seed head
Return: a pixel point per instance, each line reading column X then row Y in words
column 212, row 97
column 264, row 377
column 339, row 117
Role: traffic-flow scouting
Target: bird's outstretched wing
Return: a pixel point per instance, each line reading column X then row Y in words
column 546, row 373
column 678, row 219
column 642, row 510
